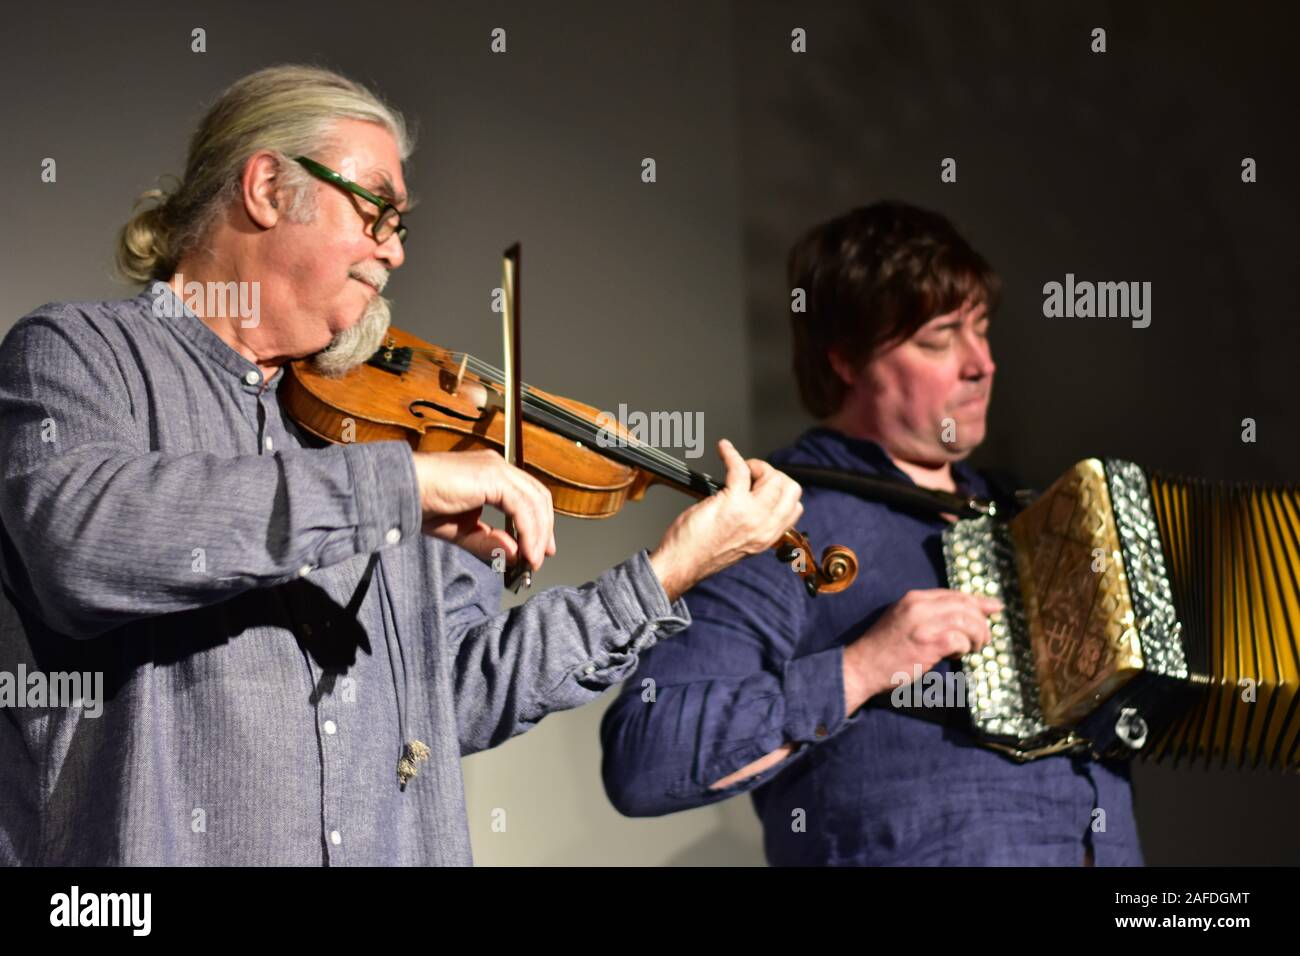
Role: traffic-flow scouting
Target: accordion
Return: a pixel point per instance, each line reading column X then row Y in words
column 1142, row 616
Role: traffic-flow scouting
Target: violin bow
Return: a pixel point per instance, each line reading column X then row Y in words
column 519, row 573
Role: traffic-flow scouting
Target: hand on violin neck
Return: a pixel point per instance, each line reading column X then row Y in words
column 456, row 486
column 746, row 517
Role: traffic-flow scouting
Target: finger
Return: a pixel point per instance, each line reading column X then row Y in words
column 518, row 505
column 760, row 472
column 924, row 595
column 534, row 534
column 773, row 486
column 790, row 507
column 977, row 626
column 531, row 509
column 796, row 512
column 545, row 505
column 490, row 543
column 944, row 599
column 984, row 603
column 544, row 520
column 956, row 643
column 974, row 627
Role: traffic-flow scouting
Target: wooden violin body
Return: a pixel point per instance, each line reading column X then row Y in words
column 423, row 403
column 437, row 401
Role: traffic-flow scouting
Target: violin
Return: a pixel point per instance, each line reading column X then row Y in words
column 438, row 400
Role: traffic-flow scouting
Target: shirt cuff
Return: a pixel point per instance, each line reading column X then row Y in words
column 814, row 695
column 387, row 493
column 636, row 597
column 642, row 612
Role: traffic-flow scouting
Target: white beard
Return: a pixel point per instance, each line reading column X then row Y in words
column 354, row 346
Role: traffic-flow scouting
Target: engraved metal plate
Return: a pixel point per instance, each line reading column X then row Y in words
column 1159, row 632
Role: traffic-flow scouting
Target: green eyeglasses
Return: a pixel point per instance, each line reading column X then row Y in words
column 389, row 220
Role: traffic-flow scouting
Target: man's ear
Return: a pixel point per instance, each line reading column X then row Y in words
column 259, row 184
column 844, row 370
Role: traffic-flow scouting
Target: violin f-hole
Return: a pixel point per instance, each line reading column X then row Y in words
column 415, row 406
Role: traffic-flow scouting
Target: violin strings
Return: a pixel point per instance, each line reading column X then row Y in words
column 649, row 456
column 652, row 458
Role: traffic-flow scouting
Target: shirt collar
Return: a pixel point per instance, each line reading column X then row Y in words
column 161, row 301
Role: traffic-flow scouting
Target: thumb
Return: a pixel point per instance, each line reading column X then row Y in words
column 737, row 469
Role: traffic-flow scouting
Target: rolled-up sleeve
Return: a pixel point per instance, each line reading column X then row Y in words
column 719, row 696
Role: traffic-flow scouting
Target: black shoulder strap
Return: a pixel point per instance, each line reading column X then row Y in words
column 891, row 491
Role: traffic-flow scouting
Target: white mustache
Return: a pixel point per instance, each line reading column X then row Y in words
column 377, row 277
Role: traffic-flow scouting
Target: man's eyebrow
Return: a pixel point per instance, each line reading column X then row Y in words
column 382, row 185
column 952, row 322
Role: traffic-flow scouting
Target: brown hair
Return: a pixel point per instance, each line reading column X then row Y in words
column 871, row 278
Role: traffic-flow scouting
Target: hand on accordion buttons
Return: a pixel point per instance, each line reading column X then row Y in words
column 920, row 629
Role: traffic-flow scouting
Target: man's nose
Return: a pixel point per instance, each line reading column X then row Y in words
column 391, row 252
column 979, row 358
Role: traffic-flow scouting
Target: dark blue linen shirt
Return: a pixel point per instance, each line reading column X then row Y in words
column 762, row 665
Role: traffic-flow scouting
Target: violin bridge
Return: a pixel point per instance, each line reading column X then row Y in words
column 460, row 373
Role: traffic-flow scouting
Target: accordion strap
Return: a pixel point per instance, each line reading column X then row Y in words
column 889, row 491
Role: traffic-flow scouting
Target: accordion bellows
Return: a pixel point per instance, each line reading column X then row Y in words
column 1143, row 617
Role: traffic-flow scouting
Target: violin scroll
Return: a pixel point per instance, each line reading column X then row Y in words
column 837, row 569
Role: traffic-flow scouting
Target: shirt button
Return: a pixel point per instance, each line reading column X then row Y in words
column 589, row 669
column 331, row 728
column 394, row 535
column 305, row 570
column 252, row 378
column 269, row 444
column 821, row 730
column 335, row 837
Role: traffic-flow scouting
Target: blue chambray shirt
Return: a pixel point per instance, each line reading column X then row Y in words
column 762, row 665
column 272, row 627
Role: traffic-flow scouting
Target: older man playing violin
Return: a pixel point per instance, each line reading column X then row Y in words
column 298, row 643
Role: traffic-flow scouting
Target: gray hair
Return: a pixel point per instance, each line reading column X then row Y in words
column 290, row 110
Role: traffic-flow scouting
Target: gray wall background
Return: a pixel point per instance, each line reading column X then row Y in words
column 671, row 296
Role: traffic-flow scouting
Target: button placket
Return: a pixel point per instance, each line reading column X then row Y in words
column 331, row 749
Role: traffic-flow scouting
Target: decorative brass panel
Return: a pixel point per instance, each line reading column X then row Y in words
column 1076, row 595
